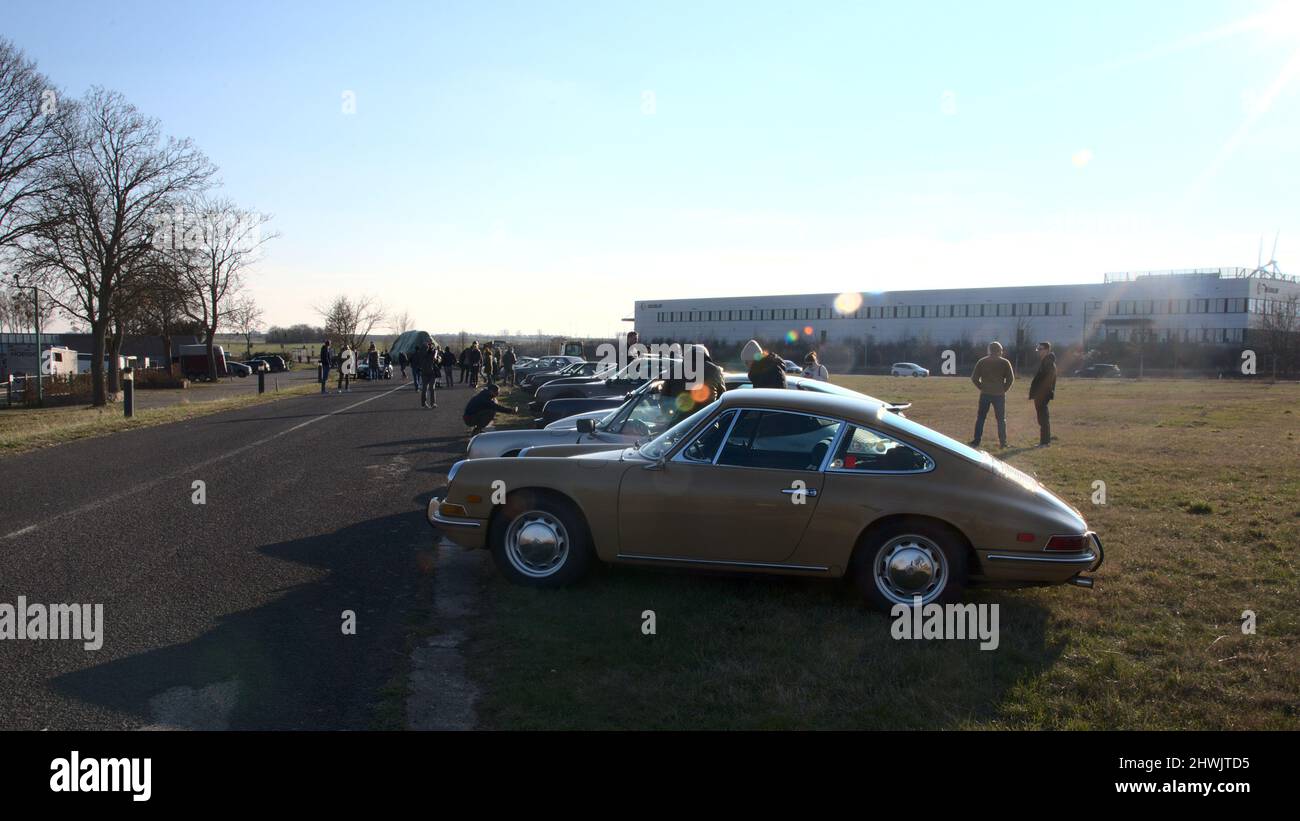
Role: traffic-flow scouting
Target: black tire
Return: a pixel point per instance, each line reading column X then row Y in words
column 540, row 568
column 903, row 535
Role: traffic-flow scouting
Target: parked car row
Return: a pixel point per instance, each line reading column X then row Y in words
column 815, row 480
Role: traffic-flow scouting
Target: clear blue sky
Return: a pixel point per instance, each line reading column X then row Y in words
column 542, row 165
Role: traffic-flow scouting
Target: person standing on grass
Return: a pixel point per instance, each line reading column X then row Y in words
column 430, row 366
column 812, row 369
column 326, row 365
column 1043, row 390
column 508, row 365
column 448, row 367
column 482, row 408
column 993, row 375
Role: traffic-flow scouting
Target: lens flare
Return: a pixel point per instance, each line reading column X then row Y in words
column 684, row 402
column 791, row 336
column 701, row 393
column 848, row 302
column 807, row 330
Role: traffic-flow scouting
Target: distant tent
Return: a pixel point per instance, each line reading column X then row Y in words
column 408, row 343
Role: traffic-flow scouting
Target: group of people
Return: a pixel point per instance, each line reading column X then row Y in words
column 432, row 368
column 476, row 363
column 330, row 361
column 993, row 375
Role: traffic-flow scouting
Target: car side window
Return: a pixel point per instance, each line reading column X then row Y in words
column 866, row 450
column 778, row 440
column 706, row 443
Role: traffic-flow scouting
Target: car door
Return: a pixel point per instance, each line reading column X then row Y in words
column 742, row 490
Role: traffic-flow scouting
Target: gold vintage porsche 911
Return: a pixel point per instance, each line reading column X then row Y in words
column 775, row 481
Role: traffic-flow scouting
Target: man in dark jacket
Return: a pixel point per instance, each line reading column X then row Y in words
column 372, row 362
column 474, row 355
column 427, row 367
column 464, row 365
column 482, row 408
column 508, row 361
column 709, row 373
column 1043, row 390
column 448, row 367
column 326, row 363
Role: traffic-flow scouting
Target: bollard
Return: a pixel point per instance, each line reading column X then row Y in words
column 261, row 381
column 128, row 392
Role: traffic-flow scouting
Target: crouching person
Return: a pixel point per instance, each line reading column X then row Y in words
column 483, row 408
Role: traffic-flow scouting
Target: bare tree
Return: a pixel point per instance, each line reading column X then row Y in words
column 159, row 303
column 112, row 180
column 29, row 113
column 245, row 318
column 214, row 242
column 351, row 320
column 17, row 310
column 1279, row 327
column 401, row 323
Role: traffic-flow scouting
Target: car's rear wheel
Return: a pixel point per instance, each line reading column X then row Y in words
column 907, row 559
column 540, row 541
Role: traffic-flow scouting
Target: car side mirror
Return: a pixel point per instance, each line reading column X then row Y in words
column 586, row 426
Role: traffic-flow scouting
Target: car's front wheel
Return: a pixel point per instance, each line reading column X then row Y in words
column 907, row 559
column 540, row 541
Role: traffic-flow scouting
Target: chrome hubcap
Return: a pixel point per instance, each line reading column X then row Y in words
column 537, row 544
column 910, row 566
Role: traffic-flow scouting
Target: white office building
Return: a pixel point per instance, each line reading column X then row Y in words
column 1217, row 306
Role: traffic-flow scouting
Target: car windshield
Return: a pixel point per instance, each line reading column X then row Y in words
column 658, row 447
column 647, row 413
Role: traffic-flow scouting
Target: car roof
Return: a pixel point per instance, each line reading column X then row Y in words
column 846, row 407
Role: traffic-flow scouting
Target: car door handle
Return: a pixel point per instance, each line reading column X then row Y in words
column 811, row 491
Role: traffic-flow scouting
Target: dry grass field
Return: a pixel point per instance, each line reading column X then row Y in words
column 1201, row 523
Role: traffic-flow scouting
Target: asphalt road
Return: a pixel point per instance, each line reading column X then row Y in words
column 228, row 614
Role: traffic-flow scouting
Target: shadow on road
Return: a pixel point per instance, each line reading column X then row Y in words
column 287, row 664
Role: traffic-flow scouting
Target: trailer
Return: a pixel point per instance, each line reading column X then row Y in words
column 54, row 360
column 193, row 361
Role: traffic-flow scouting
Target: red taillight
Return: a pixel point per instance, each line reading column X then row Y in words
column 1068, row 544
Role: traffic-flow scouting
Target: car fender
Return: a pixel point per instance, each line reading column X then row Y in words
column 590, row 484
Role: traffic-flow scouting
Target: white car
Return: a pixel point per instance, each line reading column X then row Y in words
column 908, row 369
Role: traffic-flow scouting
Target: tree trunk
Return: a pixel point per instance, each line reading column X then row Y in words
column 167, row 348
column 212, row 356
column 100, row 397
